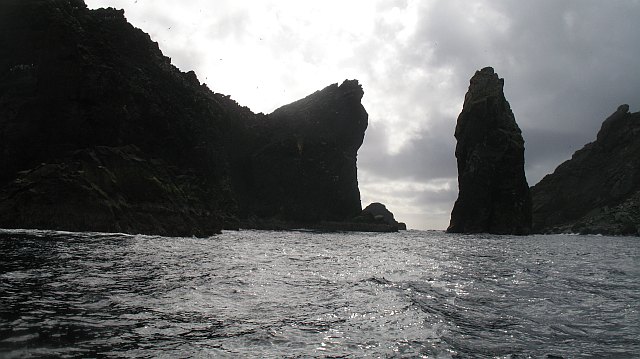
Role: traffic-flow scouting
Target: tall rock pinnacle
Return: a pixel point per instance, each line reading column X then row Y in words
column 493, row 193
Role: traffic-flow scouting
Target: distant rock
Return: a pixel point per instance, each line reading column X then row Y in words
column 377, row 214
column 493, row 194
column 380, row 212
column 597, row 191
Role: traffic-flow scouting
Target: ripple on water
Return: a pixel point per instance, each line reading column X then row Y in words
column 304, row 294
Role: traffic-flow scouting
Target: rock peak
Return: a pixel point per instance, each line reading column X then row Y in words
column 484, row 83
column 624, row 108
column 493, row 191
column 352, row 87
column 351, row 84
column 615, row 123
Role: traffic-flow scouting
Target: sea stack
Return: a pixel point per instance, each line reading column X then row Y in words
column 493, row 192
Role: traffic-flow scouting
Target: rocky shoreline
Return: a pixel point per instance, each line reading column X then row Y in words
column 100, row 132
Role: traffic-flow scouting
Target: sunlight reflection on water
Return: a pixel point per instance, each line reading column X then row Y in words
column 304, row 294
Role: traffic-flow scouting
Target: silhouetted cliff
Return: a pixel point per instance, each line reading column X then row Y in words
column 598, row 189
column 301, row 161
column 493, row 192
column 98, row 131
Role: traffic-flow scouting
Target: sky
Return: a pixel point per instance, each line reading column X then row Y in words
column 567, row 65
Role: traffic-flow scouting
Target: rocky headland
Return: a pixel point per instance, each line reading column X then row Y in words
column 597, row 191
column 100, row 132
column 299, row 162
column 493, row 193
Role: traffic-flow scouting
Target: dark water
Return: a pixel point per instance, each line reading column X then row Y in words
column 300, row 294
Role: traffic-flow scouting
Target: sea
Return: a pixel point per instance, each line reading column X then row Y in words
column 303, row 294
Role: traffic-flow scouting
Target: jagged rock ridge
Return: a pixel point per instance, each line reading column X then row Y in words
column 493, row 192
column 98, row 131
column 598, row 189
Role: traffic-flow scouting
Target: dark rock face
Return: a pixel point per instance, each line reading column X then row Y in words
column 98, row 131
column 301, row 163
column 380, row 212
column 493, row 192
column 377, row 214
column 598, row 189
column 109, row 189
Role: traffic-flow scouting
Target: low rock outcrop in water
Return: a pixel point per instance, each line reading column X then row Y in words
column 493, row 193
column 598, row 189
column 377, row 215
column 98, row 131
column 374, row 218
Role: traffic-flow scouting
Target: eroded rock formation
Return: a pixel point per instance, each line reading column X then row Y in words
column 493, row 193
column 99, row 131
column 377, row 214
column 301, row 160
column 598, row 189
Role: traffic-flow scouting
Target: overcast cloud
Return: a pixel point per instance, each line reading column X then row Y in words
column 567, row 65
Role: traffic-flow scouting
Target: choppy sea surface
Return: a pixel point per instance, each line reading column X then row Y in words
column 328, row 295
